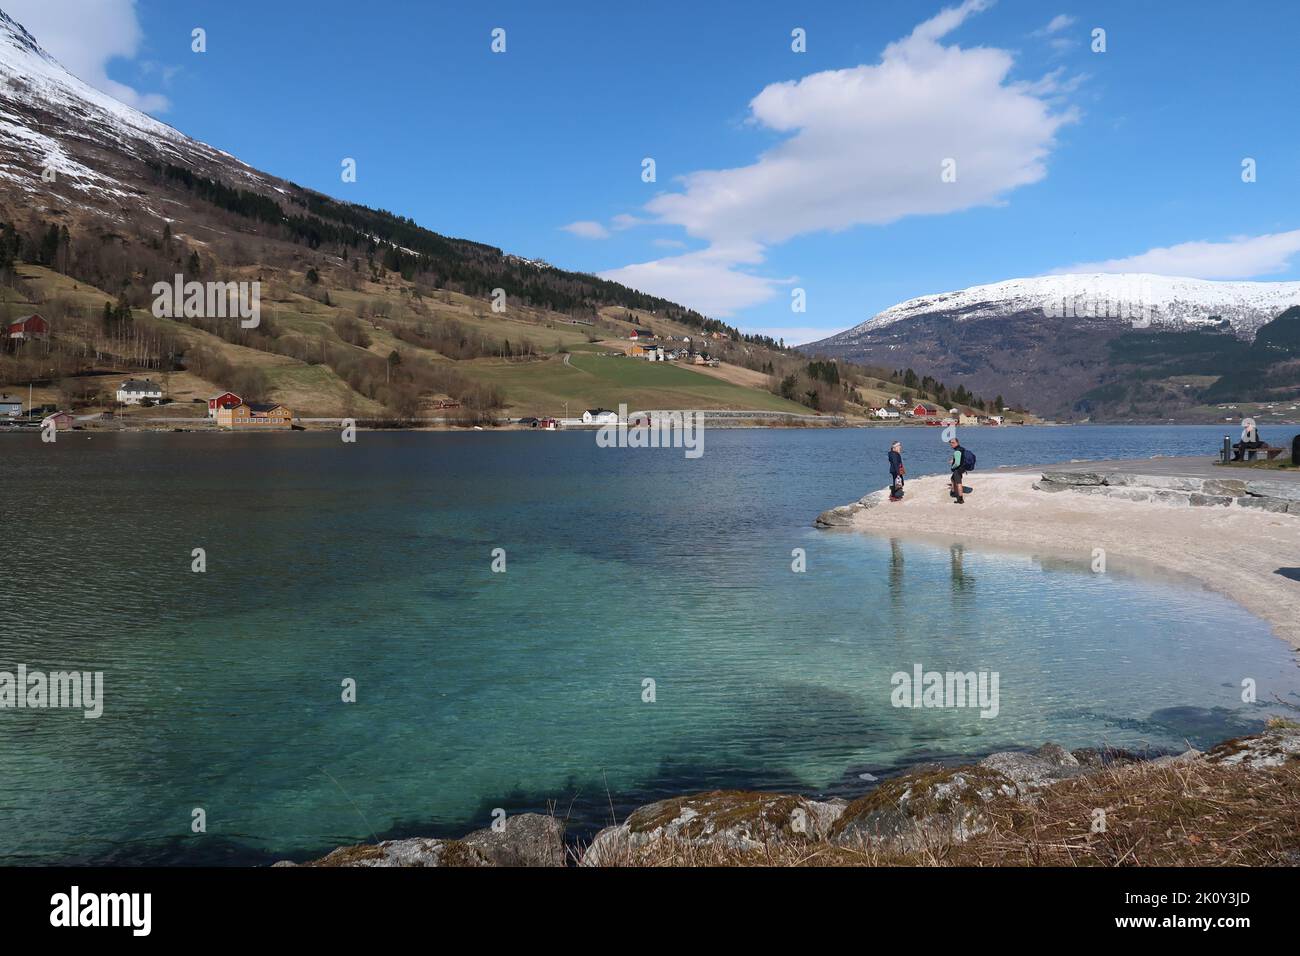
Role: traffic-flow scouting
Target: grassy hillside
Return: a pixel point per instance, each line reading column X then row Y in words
column 336, row 340
column 310, row 340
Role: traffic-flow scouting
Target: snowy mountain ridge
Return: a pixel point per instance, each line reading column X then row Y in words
column 52, row 123
column 1137, row 299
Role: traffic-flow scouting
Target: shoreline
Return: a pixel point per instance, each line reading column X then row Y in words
column 1146, row 523
column 200, row 427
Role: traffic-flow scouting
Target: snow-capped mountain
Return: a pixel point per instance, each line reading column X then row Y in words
column 1085, row 343
column 1131, row 299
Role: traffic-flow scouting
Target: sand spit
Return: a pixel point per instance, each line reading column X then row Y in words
column 1247, row 553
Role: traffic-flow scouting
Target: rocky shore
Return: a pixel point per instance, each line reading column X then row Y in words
column 1097, row 800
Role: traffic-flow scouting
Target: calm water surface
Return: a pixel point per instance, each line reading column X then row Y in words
column 477, row 690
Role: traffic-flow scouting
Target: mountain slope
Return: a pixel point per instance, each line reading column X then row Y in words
column 378, row 311
column 113, row 163
column 1075, row 345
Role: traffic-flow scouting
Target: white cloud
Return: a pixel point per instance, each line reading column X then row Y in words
column 865, row 146
column 85, row 36
column 1056, row 25
column 587, row 229
column 1241, row 257
column 701, row 280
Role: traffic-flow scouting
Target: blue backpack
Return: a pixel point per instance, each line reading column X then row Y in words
column 967, row 460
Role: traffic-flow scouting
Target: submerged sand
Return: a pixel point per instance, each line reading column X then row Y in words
column 1245, row 554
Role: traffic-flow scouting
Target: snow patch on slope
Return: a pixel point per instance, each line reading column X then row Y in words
column 45, row 112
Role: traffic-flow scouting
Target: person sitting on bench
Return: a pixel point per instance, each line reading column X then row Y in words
column 1251, row 440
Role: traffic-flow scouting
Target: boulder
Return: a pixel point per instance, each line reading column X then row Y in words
column 1031, row 771
column 921, row 809
column 1045, row 485
column 1279, row 743
column 1198, row 500
column 733, row 819
column 1274, row 505
column 1074, row 477
column 1232, row 487
column 841, row 517
column 526, row 839
column 1166, row 482
column 1268, row 488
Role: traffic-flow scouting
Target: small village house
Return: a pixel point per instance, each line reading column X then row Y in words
column 224, row 400
column 886, row 413
column 29, row 328
column 599, row 416
column 261, row 416
column 62, row 421
column 923, row 410
column 11, row 406
column 136, row 390
column 964, row 419
column 641, row 334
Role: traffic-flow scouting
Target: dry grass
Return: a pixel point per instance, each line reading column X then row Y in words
column 1180, row 814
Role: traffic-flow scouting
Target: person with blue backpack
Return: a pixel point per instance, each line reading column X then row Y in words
column 963, row 460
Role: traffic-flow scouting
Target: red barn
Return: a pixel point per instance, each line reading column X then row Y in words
column 924, row 411
column 29, row 327
column 224, row 400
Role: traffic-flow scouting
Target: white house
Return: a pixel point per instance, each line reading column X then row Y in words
column 897, row 403
column 11, row 406
column 887, row 413
column 599, row 416
column 134, row 391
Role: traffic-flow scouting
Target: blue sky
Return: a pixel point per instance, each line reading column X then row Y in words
column 775, row 170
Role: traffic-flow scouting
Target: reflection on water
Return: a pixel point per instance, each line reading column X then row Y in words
column 478, row 690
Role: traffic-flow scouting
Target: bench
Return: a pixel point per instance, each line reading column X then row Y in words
column 1250, row 454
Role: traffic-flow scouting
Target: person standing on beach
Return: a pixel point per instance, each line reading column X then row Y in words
column 958, row 467
column 896, row 471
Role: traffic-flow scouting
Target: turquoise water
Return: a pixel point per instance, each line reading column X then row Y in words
column 478, row 690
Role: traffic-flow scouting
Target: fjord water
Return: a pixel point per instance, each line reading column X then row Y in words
column 478, row 690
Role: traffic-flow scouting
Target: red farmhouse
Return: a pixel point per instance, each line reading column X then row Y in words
column 224, row 400
column 29, row 327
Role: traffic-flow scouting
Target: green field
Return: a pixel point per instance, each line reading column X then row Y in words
column 589, row 381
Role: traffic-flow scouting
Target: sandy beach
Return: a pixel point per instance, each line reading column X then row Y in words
column 1251, row 556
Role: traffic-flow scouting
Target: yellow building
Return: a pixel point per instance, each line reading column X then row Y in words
column 260, row 415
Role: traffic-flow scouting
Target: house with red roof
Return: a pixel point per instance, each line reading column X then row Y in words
column 224, row 400
column 29, row 328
